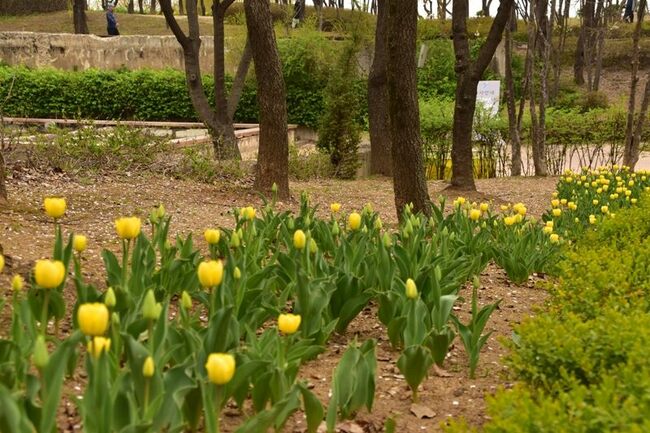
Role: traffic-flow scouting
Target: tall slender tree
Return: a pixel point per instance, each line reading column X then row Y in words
column 469, row 73
column 220, row 121
column 273, row 155
column 409, row 182
column 381, row 161
column 636, row 121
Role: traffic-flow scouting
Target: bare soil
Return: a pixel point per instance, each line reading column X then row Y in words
column 26, row 235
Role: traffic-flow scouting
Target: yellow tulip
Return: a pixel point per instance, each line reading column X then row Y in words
column 148, row 368
column 633, row 201
column 518, row 218
column 54, row 207
column 289, row 323
column 335, row 207
column 550, row 223
column 93, row 319
column 210, row 273
column 555, row 238
column 474, row 214
column 604, row 209
column 128, row 227
column 354, row 221
column 484, row 207
column 2, row 262
column 212, row 236
column 249, row 213
column 555, row 202
column 17, row 283
column 592, row 219
column 49, row 274
column 509, row 220
column 220, row 368
column 459, row 201
column 557, row 212
column 520, row 209
column 79, row 243
column 411, row 289
column 505, row 207
column 299, row 239
column 548, row 229
column 98, row 345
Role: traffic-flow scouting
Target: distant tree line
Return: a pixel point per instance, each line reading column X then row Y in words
column 21, row 7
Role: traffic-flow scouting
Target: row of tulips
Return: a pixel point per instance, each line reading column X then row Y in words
column 176, row 334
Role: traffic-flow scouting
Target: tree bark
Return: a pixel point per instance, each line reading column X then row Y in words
column 469, row 73
column 631, row 152
column 131, row 7
column 141, row 6
column 485, row 7
column 3, row 176
column 79, row 17
column 539, row 53
column 219, row 122
column 381, row 161
column 409, row 182
column 515, row 140
column 273, row 155
column 153, row 7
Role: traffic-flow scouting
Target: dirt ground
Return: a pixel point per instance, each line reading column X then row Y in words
column 26, row 235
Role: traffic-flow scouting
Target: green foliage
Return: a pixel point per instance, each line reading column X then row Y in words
column 339, row 131
column 308, row 165
column 89, row 149
column 583, row 362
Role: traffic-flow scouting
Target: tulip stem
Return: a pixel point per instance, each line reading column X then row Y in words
column 416, row 397
column 46, row 300
column 126, row 243
column 218, row 398
column 150, row 326
column 147, row 383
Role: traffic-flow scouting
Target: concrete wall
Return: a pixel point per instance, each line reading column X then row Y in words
column 80, row 52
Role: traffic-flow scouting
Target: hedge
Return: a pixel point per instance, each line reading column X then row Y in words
column 582, row 365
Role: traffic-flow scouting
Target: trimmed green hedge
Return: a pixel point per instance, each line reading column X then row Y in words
column 583, row 364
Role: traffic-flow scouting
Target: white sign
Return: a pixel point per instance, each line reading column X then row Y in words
column 488, row 95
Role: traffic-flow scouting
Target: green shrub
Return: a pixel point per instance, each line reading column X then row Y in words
column 308, row 165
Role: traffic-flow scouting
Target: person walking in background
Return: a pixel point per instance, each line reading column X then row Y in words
column 111, row 21
column 628, row 16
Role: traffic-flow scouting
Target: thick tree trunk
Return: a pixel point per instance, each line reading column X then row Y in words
column 515, row 140
column 442, row 9
column 131, row 7
column 226, row 146
column 485, row 7
column 631, row 152
column 181, row 8
column 381, row 161
column 539, row 53
column 273, row 155
column 557, row 60
column 153, row 7
column 579, row 60
column 469, row 73
column 79, row 17
column 141, row 6
column 409, row 182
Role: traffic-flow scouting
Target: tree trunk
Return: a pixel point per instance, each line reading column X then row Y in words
column 225, row 147
column 273, row 155
column 79, row 17
column 540, row 45
column 579, row 60
column 599, row 43
column 381, row 161
column 515, row 139
column 131, row 7
column 219, row 123
column 641, row 120
column 3, row 176
column 485, row 7
column 203, row 7
column 469, row 73
column 442, row 9
column 557, row 61
column 181, row 8
column 141, row 6
column 153, row 7
column 631, row 152
column 409, row 182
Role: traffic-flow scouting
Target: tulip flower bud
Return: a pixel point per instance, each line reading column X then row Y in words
column 335, row 228
column 148, row 368
column 40, row 356
column 186, row 300
column 115, row 320
column 474, row 214
column 476, row 283
column 220, row 368
column 79, row 243
column 388, row 242
column 411, row 289
column 408, row 227
column 149, row 306
column 98, row 345
column 378, row 224
column 160, row 212
column 313, row 246
column 437, row 273
column 236, row 273
column 289, row 323
column 299, row 239
column 307, row 221
column 364, row 229
column 274, row 188
column 234, row 240
column 109, row 298
column 158, row 310
column 17, row 283
column 290, row 223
